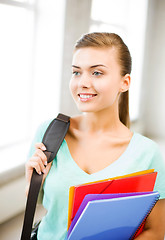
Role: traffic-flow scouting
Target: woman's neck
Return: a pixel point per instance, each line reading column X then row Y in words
column 103, row 121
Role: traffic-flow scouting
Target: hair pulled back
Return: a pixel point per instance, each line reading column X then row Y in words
column 103, row 40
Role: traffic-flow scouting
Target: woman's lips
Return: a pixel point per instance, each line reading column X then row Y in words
column 84, row 97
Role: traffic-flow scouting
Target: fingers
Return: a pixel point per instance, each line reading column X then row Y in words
column 40, row 146
column 37, row 163
column 41, row 155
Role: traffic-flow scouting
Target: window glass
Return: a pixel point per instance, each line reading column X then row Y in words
column 30, row 67
column 16, row 26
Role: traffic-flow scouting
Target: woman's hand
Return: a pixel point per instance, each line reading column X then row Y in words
column 39, row 162
column 155, row 224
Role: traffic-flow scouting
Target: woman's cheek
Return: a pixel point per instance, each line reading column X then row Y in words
column 107, row 90
column 73, row 87
column 102, row 87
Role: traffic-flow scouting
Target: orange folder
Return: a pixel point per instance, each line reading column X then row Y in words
column 142, row 181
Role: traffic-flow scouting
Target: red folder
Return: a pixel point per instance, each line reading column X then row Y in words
column 139, row 183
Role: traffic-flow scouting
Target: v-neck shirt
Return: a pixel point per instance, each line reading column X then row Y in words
column 141, row 153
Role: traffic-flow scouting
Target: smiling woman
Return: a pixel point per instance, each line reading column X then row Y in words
column 99, row 143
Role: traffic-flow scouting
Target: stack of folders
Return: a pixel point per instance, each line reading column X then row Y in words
column 111, row 209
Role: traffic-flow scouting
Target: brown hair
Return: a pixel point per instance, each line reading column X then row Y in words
column 102, row 40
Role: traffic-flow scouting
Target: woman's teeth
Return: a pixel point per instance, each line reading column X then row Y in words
column 86, row 96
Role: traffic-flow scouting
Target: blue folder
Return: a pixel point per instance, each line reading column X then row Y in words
column 111, row 216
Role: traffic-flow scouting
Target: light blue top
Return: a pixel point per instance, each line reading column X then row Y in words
column 142, row 153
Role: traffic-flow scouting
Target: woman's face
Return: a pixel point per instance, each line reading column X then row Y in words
column 96, row 80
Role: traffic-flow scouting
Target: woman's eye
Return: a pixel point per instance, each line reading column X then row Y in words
column 76, row 73
column 97, row 73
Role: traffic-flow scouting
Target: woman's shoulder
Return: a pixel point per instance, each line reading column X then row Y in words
column 38, row 135
column 145, row 143
column 42, row 128
column 144, row 139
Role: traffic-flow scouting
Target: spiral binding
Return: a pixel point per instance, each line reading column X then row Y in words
column 152, row 206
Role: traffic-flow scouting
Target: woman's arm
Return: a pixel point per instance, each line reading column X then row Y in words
column 155, row 224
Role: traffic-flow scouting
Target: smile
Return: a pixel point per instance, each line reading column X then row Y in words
column 85, row 97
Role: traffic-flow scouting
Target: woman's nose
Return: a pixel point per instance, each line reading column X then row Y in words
column 85, row 81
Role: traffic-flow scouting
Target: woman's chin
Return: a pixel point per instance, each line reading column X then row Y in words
column 87, row 109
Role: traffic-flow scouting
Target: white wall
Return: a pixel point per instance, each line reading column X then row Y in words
column 153, row 82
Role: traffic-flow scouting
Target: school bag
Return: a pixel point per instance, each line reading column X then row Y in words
column 52, row 139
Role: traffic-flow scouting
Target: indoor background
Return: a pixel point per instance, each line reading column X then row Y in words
column 36, row 44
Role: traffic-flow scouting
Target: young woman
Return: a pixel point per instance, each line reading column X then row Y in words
column 99, row 143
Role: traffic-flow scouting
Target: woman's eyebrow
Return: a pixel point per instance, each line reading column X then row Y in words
column 97, row 65
column 75, row 66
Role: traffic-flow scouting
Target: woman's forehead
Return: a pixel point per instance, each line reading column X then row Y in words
column 94, row 56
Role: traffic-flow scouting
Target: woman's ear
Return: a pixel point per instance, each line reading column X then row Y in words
column 125, row 83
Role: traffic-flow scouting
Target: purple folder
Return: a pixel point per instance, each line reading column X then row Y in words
column 91, row 197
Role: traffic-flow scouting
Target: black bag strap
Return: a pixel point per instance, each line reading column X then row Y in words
column 52, row 139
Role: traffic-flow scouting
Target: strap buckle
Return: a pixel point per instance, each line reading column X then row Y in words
column 63, row 118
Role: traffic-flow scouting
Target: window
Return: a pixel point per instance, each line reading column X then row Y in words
column 128, row 19
column 16, row 24
column 30, row 60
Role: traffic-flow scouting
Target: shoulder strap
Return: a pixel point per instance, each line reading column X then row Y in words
column 52, row 139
